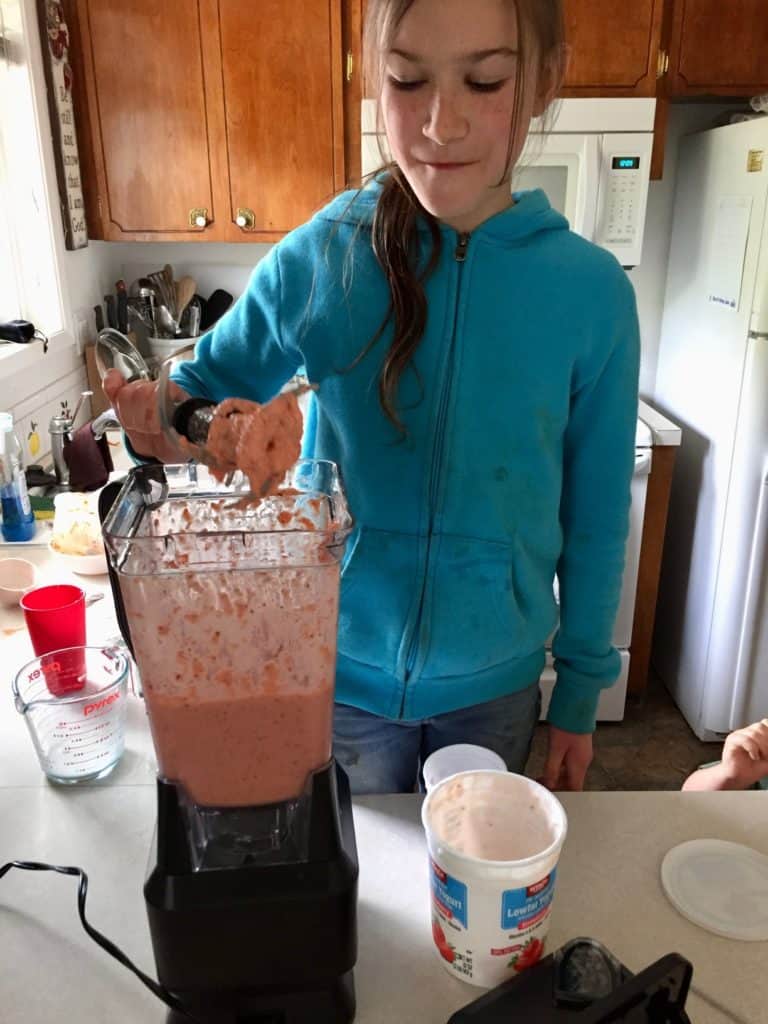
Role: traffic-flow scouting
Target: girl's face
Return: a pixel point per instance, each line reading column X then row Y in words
column 448, row 102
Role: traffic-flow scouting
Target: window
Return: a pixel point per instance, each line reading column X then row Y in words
column 29, row 272
column 10, row 305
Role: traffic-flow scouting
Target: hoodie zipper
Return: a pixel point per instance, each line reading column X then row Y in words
column 460, row 255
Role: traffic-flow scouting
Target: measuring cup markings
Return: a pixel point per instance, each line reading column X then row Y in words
column 77, row 736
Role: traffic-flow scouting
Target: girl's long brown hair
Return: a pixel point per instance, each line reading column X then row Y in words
column 395, row 234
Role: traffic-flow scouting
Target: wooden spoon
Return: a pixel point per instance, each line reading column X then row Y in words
column 184, row 289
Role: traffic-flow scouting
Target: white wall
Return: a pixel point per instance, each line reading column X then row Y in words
column 53, row 385
column 212, row 264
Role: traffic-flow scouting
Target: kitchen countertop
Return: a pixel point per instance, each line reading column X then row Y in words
column 608, row 883
column 608, row 887
column 664, row 431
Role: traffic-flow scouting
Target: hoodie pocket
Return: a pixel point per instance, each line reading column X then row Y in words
column 487, row 603
column 378, row 588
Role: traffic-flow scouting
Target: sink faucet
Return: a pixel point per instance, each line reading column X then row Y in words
column 61, row 428
column 106, row 420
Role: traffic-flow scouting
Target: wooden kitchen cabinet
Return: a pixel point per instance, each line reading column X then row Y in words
column 718, row 47
column 211, row 120
column 614, row 47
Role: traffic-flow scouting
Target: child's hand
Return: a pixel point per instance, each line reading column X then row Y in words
column 745, row 755
column 137, row 409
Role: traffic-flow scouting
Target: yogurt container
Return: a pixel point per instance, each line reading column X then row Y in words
column 494, row 841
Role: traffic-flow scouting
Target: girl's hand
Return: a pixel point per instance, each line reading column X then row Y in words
column 745, row 755
column 137, row 409
column 569, row 754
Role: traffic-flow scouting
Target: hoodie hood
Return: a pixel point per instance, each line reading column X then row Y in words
column 531, row 215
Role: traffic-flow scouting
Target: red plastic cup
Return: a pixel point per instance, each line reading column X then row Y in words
column 55, row 617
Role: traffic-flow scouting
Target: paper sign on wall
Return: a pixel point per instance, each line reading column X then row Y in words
column 729, row 251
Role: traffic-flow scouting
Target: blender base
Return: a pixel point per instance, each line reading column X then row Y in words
column 320, row 1006
column 260, row 943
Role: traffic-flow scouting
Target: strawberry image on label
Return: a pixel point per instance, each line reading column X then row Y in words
column 531, row 953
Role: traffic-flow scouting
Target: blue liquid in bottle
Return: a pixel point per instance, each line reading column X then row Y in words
column 18, row 519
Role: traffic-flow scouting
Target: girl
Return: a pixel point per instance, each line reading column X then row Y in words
column 504, row 351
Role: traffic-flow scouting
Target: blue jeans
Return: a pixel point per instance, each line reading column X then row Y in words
column 384, row 755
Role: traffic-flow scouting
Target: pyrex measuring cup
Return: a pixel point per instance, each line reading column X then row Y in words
column 80, row 736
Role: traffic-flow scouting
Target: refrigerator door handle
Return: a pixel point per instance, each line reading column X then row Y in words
column 757, row 560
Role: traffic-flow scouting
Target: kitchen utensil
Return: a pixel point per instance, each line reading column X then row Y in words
column 189, row 420
column 232, row 611
column 138, row 312
column 163, row 282
column 109, row 302
column 135, row 286
column 98, row 313
column 116, row 352
column 74, row 704
column 218, row 303
column 55, row 616
column 184, row 290
column 189, row 322
column 149, row 298
column 166, row 322
column 122, row 306
column 17, row 575
column 202, row 303
column 169, row 283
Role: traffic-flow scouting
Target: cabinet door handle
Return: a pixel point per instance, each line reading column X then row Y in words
column 198, row 217
column 662, row 66
column 245, row 218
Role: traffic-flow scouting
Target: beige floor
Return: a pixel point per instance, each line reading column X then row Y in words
column 653, row 748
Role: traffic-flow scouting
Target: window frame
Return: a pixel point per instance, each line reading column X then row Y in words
column 19, row 34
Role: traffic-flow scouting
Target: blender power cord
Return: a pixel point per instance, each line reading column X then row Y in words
column 159, row 990
column 154, row 987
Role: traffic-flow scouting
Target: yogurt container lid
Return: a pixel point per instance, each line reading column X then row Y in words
column 459, row 757
column 720, row 886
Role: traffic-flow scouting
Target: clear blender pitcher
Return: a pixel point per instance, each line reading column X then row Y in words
column 232, row 605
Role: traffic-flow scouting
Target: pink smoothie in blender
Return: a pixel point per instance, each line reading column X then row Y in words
column 232, row 605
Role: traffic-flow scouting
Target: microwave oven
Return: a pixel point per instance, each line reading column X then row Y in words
column 594, row 164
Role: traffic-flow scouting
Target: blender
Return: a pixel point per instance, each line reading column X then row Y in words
column 230, row 605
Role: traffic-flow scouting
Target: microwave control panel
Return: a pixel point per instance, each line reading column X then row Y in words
column 623, row 199
column 626, row 165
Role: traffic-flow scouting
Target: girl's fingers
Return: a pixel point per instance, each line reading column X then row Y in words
column 748, row 744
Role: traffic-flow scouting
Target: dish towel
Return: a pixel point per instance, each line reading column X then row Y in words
column 88, row 460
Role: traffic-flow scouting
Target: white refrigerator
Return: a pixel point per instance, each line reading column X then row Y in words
column 711, row 640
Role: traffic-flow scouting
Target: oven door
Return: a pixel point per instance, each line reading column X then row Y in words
column 567, row 167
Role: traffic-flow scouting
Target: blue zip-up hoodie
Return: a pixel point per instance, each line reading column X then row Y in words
column 520, row 407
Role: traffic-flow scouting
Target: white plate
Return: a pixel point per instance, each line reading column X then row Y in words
column 720, row 886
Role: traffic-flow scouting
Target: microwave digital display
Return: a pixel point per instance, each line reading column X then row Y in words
column 626, row 163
